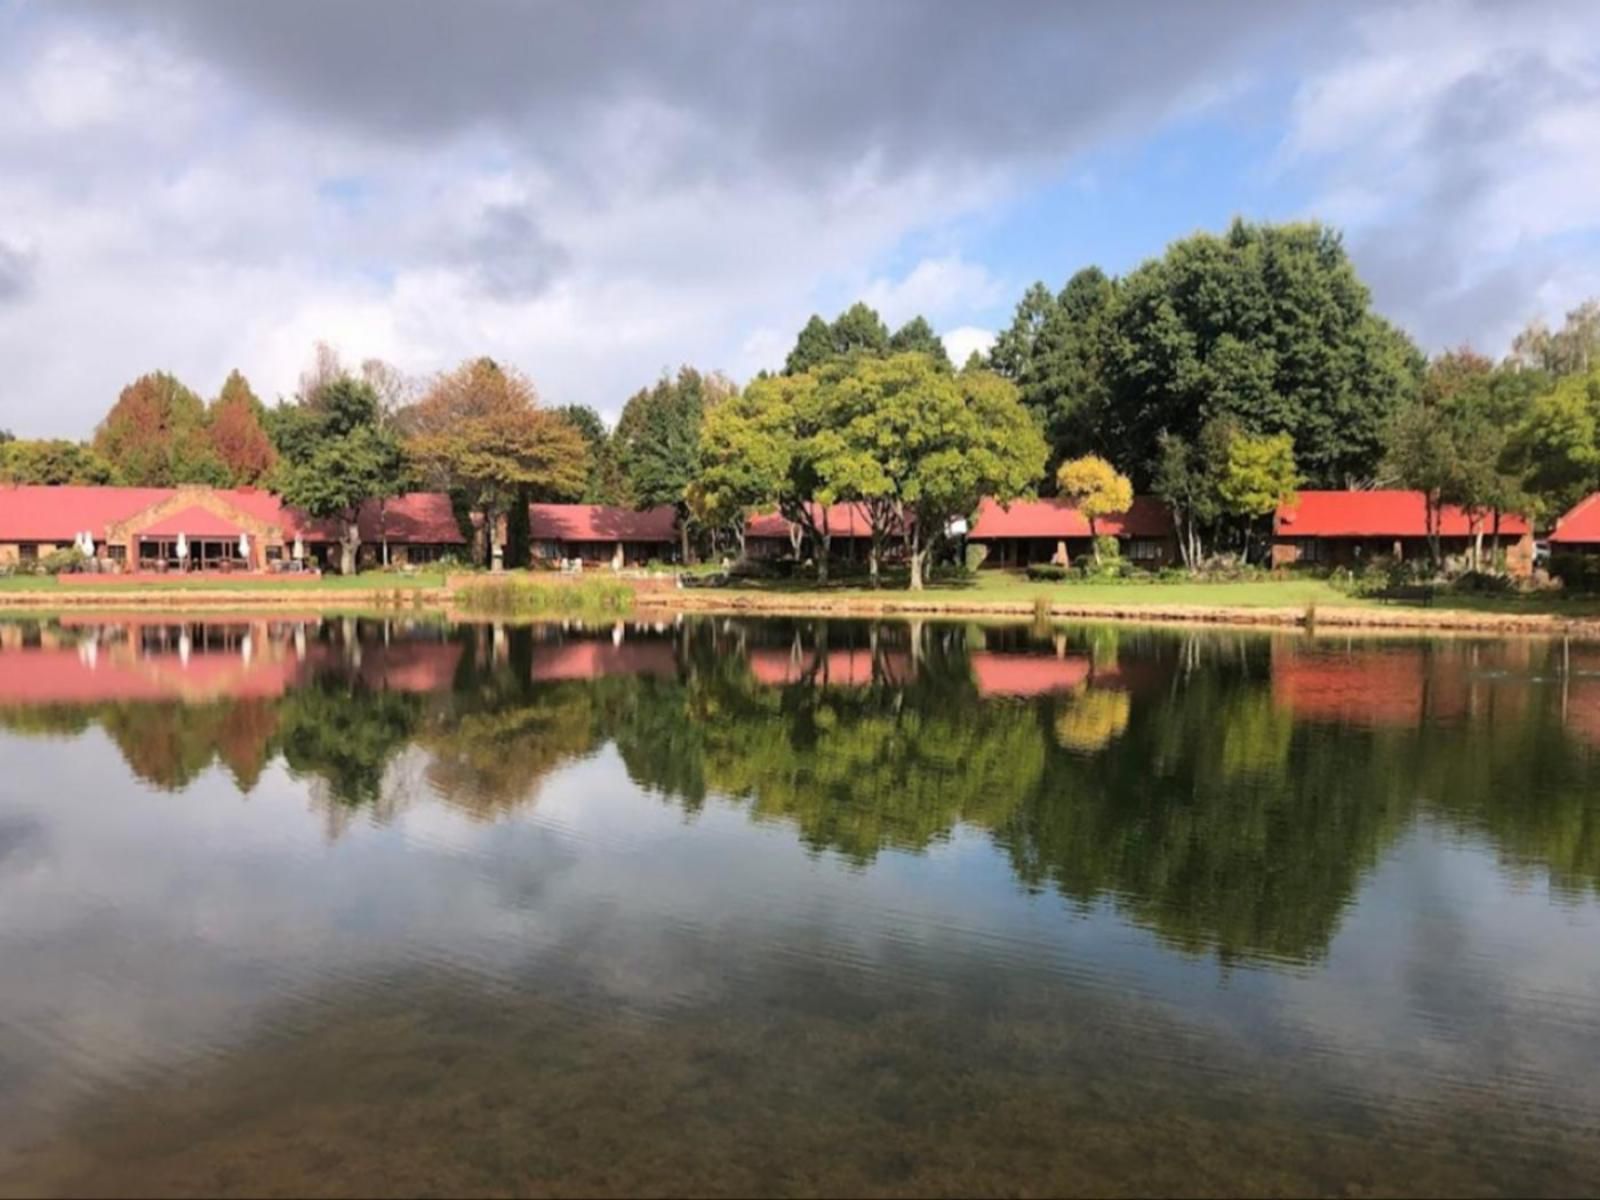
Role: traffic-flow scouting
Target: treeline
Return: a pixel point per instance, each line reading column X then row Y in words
column 1221, row 376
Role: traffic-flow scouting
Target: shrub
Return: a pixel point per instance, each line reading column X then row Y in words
column 59, row 561
column 1048, row 572
column 1577, row 572
column 1107, row 549
column 977, row 553
column 1481, row 581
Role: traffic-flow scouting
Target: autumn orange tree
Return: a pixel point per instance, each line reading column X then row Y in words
column 238, row 438
column 156, row 435
column 479, row 433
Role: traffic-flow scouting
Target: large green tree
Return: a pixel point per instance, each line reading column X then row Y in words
column 603, row 484
column 860, row 331
column 1054, row 352
column 657, row 440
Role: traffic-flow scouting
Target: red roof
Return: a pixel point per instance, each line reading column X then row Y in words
column 601, row 523
column 842, row 521
column 1060, row 518
column 58, row 514
column 1387, row 513
column 1581, row 523
column 597, row 659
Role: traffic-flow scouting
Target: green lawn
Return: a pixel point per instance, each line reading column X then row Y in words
column 227, row 583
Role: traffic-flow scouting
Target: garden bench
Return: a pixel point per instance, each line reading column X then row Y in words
column 1413, row 593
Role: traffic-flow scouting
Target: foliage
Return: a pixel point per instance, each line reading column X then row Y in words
column 1574, row 349
column 478, row 432
column 916, row 336
column 604, row 484
column 52, row 461
column 342, row 474
column 1260, row 474
column 1266, row 324
column 1054, row 352
column 860, row 331
column 156, row 436
column 524, row 597
column 1558, row 442
column 238, row 437
column 63, row 561
column 1048, row 572
column 657, row 440
column 1097, row 488
column 1577, row 572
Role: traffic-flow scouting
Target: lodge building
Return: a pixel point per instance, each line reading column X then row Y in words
column 1350, row 528
column 223, row 529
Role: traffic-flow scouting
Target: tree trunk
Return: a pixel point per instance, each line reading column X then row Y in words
column 916, row 559
column 875, row 557
column 824, row 550
column 1094, row 540
column 683, row 538
column 349, row 544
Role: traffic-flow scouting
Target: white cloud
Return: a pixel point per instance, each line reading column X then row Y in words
column 934, row 288
column 959, row 343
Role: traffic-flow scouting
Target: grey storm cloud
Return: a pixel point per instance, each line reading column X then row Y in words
column 790, row 85
column 511, row 256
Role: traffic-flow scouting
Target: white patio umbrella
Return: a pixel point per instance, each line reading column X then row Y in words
column 244, row 547
column 185, row 646
column 183, row 546
column 299, row 547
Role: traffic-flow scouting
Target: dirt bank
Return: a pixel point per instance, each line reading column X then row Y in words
column 1421, row 619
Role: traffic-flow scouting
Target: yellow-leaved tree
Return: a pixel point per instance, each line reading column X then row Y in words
column 1097, row 488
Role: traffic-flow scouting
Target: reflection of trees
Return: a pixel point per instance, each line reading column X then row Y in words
column 1226, row 791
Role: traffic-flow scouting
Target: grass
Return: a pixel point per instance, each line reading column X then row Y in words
column 373, row 581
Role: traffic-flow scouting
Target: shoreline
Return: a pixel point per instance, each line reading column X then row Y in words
column 747, row 603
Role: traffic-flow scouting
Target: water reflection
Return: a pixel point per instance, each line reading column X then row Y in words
column 1287, row 905
column 1229, row 790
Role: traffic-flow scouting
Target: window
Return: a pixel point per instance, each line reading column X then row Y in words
column 117, row 554
column 1311, row 550
column 28, row 552
column 1144, row 549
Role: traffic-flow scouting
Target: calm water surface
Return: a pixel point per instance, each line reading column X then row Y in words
column 322, row 907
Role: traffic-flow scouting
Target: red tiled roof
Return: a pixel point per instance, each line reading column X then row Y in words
column 842, row 521
column 1060, row 518
column 1388, row 513
column 63, row 676
column 601, row 523
column 417, row 517
column 58, row 514
column 1581, row 523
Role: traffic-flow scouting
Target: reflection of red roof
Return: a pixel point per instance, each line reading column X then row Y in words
column 195, row 522
column 838, row 668
column 411, row 666
column 1027, row 674
column 58, row 514
column 62, row 676
column 594, row 659
column 842, row 521
column 1378, row 514
column 601, row 523
column 1059, row 518
column 1372, row 688
column 1581, row 523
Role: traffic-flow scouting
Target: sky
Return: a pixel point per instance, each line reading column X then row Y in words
column 596, row 194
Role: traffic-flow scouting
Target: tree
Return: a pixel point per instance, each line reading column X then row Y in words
column 51, row 462
column 1259, row 476
column 860, row 331
column 1423, row 455
column 478, row 431
column 755, row 454
column 1054, row 352
column 1267, row 324
column 657, row 440
column 1558, row 441
column 156, row 436
column 1574, row 349
column 341, row 475
column 918, row 447
column 604, row 482
column 916, row 336
column 1097, row 488
column 238, row 438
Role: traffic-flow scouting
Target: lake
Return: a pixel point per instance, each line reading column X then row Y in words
column 313, row 906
